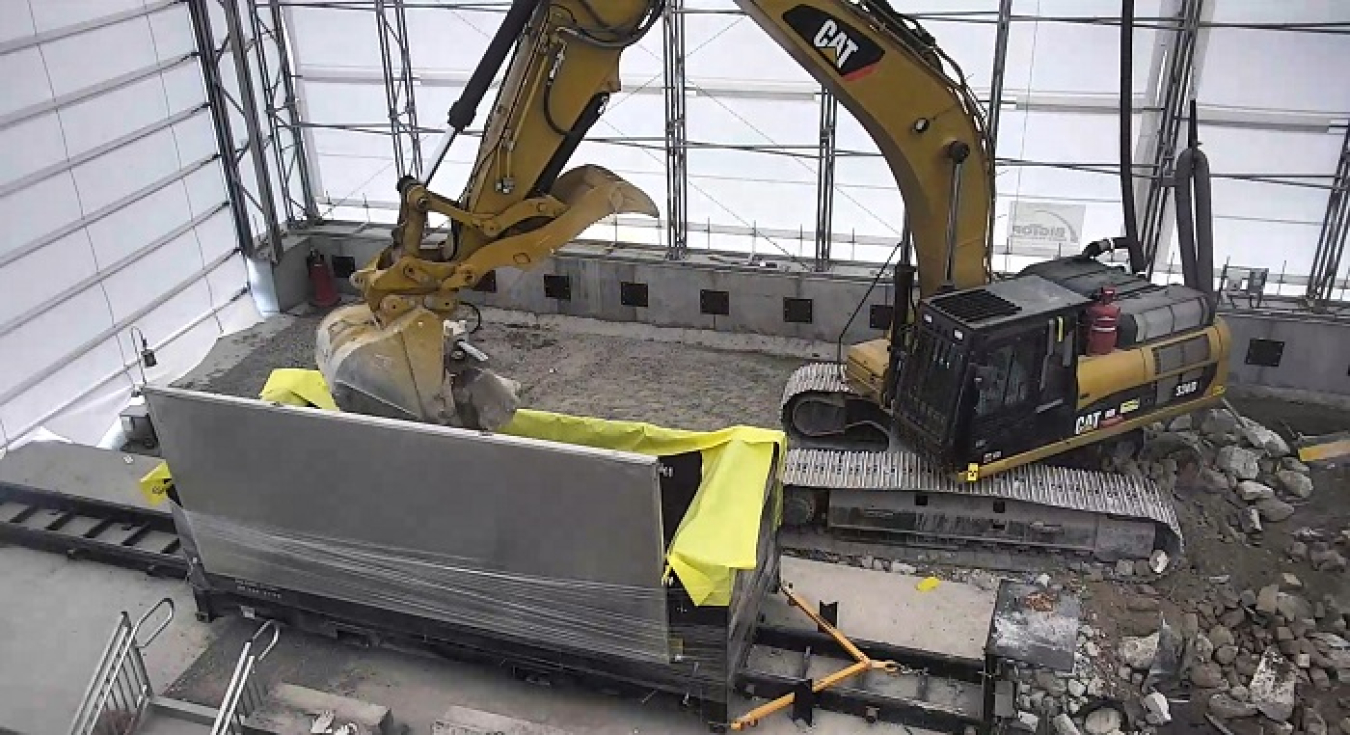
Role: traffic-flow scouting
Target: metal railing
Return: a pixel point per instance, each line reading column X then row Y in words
column 243, row 695
column 120, row 689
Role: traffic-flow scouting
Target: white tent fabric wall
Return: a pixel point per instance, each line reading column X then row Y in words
column 1259, row 92
column 114, row 212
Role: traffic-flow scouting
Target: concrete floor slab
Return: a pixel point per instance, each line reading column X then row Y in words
column 73, row 469
column 883, row 607
column 55, row 621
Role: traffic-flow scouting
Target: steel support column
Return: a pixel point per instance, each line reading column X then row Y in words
column 1000, row 65
column 1331, row 241
column 825, row 158
column 391, row 22
column 676, row 145
column 1173, row 82
column 281, row 108
column 208, row 54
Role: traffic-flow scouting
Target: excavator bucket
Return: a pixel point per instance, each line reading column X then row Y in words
column 410, row 369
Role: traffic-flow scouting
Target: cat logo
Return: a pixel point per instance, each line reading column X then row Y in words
column 833, row 42
column 851, row 53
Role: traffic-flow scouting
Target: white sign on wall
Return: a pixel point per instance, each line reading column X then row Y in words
column 1046, row 226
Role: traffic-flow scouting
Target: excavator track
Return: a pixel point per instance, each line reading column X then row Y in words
column 896, row 495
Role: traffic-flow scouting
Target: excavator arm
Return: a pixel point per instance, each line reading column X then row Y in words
column 393, row 354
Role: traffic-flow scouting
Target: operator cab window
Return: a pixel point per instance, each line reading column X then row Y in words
column 1006, row 378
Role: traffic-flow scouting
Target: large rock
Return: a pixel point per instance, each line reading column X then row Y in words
column 1268, row 441
column 1225, row 707
column 1053, row 685
column 1064, row 725
column 1211, row 480
column 1102, row 722
column 1252, row 491
column 1292, row 464
column 1138, row 653
column 1268, row 599
column 1201, row 649
column 1243, row 464
column 1295, row 484
column 1327, row 560
column 1293, row 607
column 1226, row 655
column 1207, row 676
column 1273, row 685
column 1218, row 422
column 1221, row 636
column 1274, row 509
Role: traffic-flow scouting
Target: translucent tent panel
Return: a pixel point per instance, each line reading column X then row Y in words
column 1075, row 57
column 1276, row 70
column 115, row 215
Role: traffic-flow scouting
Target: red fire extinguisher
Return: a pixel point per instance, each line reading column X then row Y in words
column 1103, row 318
column 323, row 291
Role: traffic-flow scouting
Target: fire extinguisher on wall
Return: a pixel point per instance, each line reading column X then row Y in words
column 323, row 290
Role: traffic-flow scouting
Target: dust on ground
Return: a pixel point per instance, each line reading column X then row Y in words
column 620, row 378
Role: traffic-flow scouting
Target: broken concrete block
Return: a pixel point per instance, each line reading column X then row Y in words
column 1102, row 722
column 1225, row 707
column 1139, row 652
column 1294, row 483
column 1274, row 509
column 1252, row 491
column 1243, row 464
column 1268, row 599
column 1272, row 686
column 1159, row 712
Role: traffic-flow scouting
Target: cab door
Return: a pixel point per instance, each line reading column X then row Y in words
column 1023, row 384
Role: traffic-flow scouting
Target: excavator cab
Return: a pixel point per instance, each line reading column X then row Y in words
column 990, row 372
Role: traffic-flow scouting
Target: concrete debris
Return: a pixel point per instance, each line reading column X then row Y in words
column 1259, row 436
column 1159, row 712
column 1225, row 707
column 1250, row 520
column 1221, row 636
column 1043, row 580
column 1138, row 653
column 1096, row 687
column 1158, row 561
column 1090, row 649
column 1063, row 725
column 1233, row 618
column 1202, row 649
column 1180, row 423
column 1226, row 655
column 1293, row 607
column 1268, row 599
column 1252, row 491
column 1274, row 509
column 1241, row 463
column 1211, row 480
column 1218, row 422
column 1345, row 725
column 1294, row 483
column 1140, row 603
column 1103, row 721
column 1240, row 693
column 1290, row 581
column 1028, row 721
column 1051, row 684
column 1125, row 567
column 1313, row 722
column 1302, row 660
column 1298, row 551
column 1293, row 465
column 1327, row 560
column 899, row 567
column 1077, row 688
column 1245, row 664
column 1272, row 686
column 1207, row 676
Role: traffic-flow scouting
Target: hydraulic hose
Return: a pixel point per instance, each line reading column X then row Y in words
column 464, row 109
column 1195, row 215
column 1137, row 264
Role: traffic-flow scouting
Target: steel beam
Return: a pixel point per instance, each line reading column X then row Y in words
column 208, row 55
column 281, row 110
column 396, row 66
column 676, row 148
column 238, row 44
column 1331, row 240
column 1172, row 86
column 825, row 157
column 996, row 77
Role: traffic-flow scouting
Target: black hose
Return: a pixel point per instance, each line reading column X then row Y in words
column 1184, row 176
column 464, row 109
column 1137, row 264
column 1195, row 214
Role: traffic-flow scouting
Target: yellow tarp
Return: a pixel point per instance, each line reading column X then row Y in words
column 720, row 531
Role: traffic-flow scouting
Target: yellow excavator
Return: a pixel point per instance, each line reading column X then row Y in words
column 977, row 376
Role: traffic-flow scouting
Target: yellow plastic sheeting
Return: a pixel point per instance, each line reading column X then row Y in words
column 155, row 484
column 297, row 387
column 718, row 535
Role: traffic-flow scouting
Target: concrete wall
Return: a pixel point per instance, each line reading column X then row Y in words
column 1313, row 352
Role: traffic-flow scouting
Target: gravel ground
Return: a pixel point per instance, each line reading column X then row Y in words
column 679, row 386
